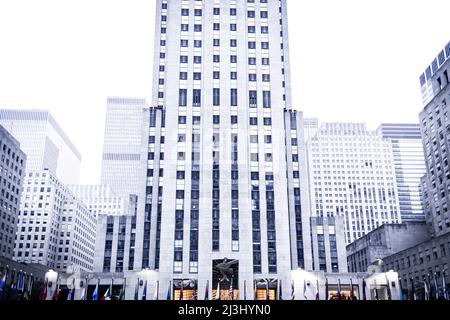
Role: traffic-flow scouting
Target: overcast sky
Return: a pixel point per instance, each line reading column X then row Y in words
column 351, row 60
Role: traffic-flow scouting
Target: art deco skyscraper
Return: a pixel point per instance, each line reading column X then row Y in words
column 222, row 76
column 223, row 199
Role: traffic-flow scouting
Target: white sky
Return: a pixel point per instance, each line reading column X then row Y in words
column 351, row 60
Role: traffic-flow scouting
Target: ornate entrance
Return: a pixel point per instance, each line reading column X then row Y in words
column 225, row 279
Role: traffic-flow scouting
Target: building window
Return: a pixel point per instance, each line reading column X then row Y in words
column 266, row 99
column 182, row 98
column 216, row 97
column 234, row 97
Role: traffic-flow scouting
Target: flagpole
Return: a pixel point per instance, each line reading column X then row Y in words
column 293, row 290
column 245, row 289
column 339, row 290
column 124, row 288
column 87, row 288
column 351, row 289
column 318, row 294
column 156, row 290
column 364, row 285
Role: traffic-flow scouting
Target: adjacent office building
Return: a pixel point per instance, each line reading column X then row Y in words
column 409, row 163
column 352, row 174
column 317, row 242
column 12, row 169
column 427, row 263
column 55, row 228
column 46, row 145
column 116, row 226
column 384, row 241
column 435, row 127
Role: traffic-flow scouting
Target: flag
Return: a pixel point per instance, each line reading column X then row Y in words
column 155, row 296
column 230, row 292
column 169, row 291
column 364, row 285
column 317, row 291
column 56, row 291
column 122, row 290
column 218, row 291
column 43, row 292
column 400, row 289
column 267, row 290
column 108, row 293
column 83, row 293
column 2, row 286
column 444, row 286
column 95, row 294
column 20, row 281
column 106, row 296
column 292, row 291
column 413, row 291
column 388, row 288
column 280, row 290
column 425, row 288
column 327, row 294
column 144, row 293
column 304, row 290
column 136, row 291
column 30, row 287
column 71, row 294
column 13, row 289
column 436, row 286
column 207, row 290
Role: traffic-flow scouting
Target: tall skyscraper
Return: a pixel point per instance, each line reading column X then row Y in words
column 12, row 169
column 209, row 156
column 352, row 174
column 409, row 163
column 220, row 168
column 124, row 159
column 44, row 142
column 435, row 126
column 222, row 76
